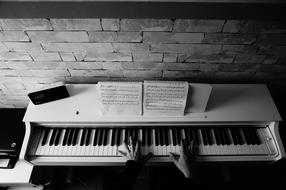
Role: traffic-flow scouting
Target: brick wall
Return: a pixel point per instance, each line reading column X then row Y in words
column 35, row 52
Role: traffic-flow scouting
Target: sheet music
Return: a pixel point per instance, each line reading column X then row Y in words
column 120, row 98
column 167, row 98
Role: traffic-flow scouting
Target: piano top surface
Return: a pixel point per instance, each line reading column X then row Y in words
column 227, row 103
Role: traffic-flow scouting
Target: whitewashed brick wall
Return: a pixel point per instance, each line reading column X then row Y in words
column 35, row 52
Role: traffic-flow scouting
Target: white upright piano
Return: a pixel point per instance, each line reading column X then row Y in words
column 240, row 124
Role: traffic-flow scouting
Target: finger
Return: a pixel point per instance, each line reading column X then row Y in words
column 173, row 157
column 191, row 147
column 124, row 154
column 137, row 150
column 126, row 147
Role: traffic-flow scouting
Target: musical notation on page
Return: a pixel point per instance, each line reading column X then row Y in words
column 165, row 98
column 120, row 98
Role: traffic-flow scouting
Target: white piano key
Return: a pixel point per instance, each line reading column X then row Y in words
column 78, row 147
column 154, row 148
column 39, row 148
column 90, row 146
column 47, row 146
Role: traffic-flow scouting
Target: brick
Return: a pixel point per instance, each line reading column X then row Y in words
column 45, row 56
column 232, row 26
column 246, row 58
column 2, row 47
column 93, row 56
column 14, row 85
column 170, row 57
column 79, row 56
column 130, row 47
column 115, row 37
column 206, row 67
column 215, row 58
column 239, row 67
column 23, row 46
column 234, row 49
column 25, row 24
column 221, row 38
column 15, row 56
column 180, row 74
column 147, row 57
column 50, row 73
column 76, row 24
column 78, row 47
column 272, row 50
column 14, row 79
column 110, row 24
column 273, row 68
column 54, row 36
column 142, row 74
column 85, row 80
column 3, row 65
column 170, row 37
column 191, row 25
column 270, row 59
column 67, row 56
column 35, row 65
column 42, row 80
column 132, row 66
column 181, row 66
column 146, row 25
column 13, row 36
column 186, row 48
column 272, row 39
column 84, row 65
column 234, row 75
column 255, row 26
column 7, row 72
column 96, row 73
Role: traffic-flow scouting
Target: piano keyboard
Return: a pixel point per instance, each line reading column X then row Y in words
column 105, row 142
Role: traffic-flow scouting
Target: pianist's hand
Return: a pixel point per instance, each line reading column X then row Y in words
column 132, row 152
column 185, row 162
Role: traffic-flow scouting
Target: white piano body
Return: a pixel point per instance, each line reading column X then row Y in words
column 236, row 114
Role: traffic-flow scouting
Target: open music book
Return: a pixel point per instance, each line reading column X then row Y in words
column 164, row 98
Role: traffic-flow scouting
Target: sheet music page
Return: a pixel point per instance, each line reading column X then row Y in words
column 165, row 98
column 120, row 98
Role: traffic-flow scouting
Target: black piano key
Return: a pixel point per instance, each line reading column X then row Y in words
column 83, row 136
column 217, row 136
column 213, row 136
column 103, row 133
column 174, row 135
column 105, row 142
column 135, row 135
column 210, row 140
column 88, row 136
column 157, row 137
column 239, row 137
column 143, row 137
column 247, row 136
column 127, row 135
column 257, row 137
column 204, row 135
column 223, row 137
column 150, row 137
column 52, row 139
column 253, row 135
column 76, row 136
column 226, row 136
column 46, row 134
column 71, row 137
column 65, row 141
column 234, row 136
column 165, row 137
column 160, row 137
column 119, row 137
column 95, row 137
column 113, row 137
column 190, row 136
column 57, row 138
column 228, row 132
column 179, row 136
column 194, row 136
